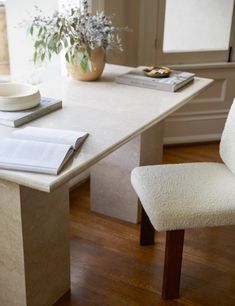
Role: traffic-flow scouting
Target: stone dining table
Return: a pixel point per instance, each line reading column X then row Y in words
column 125, row 126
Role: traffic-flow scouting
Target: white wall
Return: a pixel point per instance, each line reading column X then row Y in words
column 202, row 119
column 21, row 45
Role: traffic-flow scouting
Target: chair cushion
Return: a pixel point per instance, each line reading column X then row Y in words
column 227, row 144
column 186, row 195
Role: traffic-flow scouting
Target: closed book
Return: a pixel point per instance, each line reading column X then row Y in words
column 15, row 119
column 175, row 81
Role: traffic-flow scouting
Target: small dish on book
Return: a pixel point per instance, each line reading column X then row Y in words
column 18, row 96
column 157, row 72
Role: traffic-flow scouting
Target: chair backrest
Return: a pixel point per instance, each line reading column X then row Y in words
column 227, row 143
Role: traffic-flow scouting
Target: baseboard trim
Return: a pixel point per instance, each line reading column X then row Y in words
column 192, row 139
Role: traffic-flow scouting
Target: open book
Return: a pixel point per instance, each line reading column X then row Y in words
column 39, row 149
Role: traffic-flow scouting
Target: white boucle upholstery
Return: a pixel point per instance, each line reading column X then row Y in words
column 227, row 144
column 186, row 195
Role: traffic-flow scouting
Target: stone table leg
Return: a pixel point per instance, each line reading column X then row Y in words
column 111, row 190
column 34, row 240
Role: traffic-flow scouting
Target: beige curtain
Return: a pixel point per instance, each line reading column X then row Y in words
column 3, row 37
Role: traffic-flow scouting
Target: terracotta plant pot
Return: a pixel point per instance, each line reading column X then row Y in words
column 98, row 62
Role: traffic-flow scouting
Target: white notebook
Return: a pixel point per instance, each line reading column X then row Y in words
column 39, row 149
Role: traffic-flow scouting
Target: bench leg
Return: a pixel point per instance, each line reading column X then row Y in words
column 146, row 229
column 173, row 262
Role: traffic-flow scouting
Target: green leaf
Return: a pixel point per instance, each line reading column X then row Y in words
column 59, row 48
column 71, row 41
column 65, row 42
column 55, row 35
column 84, row 65
column 37, row 44
column 67, row 57
column 31, row 30
column 80, row 56
column 40, row 31
column 43, row 57
column 89, row 50
column 35, row 57
column 52, row 44
column 89, row 64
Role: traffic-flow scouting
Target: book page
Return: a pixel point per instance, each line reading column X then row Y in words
column 33, row 156
column 49, row 135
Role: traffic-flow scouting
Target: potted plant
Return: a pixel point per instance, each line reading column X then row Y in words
column 84, row 38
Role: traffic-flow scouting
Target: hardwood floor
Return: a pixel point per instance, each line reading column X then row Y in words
column 109, row 268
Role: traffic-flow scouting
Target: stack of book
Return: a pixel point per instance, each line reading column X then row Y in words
column 175, row 81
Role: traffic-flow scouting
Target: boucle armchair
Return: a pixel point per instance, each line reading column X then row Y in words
column 181, row 196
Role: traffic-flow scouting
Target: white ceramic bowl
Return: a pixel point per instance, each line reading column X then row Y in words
column 18, row 96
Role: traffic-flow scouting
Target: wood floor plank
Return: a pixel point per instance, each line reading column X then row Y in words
column 109, row 268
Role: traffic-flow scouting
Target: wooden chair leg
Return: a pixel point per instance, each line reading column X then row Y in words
column 146, row 229
column 173, row 262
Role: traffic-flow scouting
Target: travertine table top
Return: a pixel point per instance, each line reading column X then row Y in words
column 112, row 113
